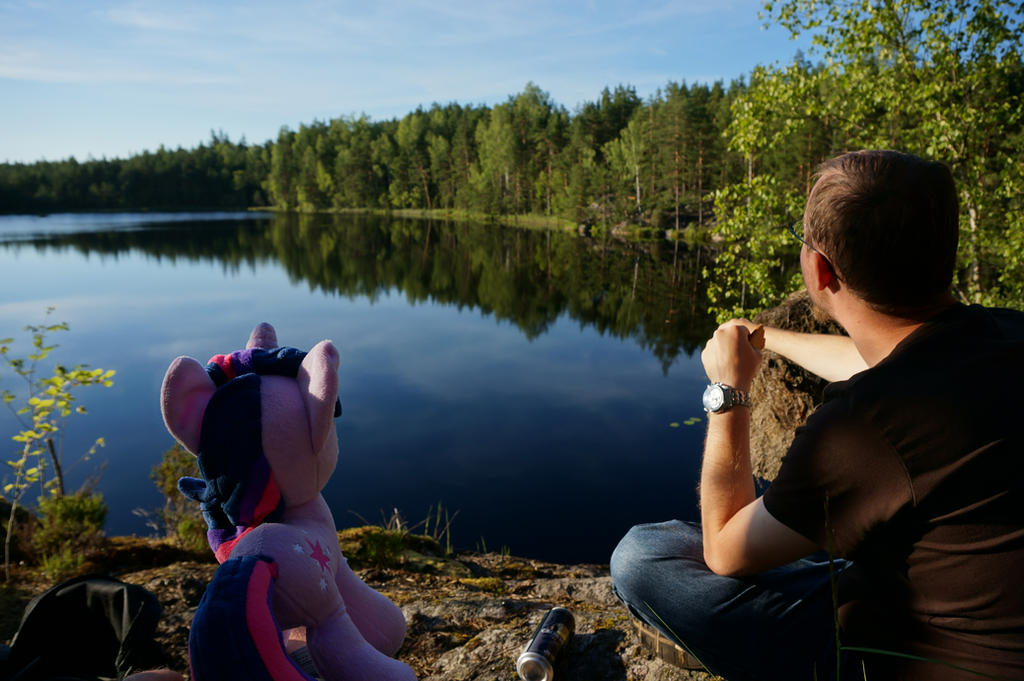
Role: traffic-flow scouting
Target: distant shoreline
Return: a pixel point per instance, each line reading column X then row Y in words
column 690, row 234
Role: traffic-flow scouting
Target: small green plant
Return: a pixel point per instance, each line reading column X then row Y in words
column 42, row 408
column 384, row 549
column 190, row 534
column 180, row 518
column 440, row 528
column 437, row 525
column 395, row 542
column 70, row 527
column 375, row 546
column 58, row 566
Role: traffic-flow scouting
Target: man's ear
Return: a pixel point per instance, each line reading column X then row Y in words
column 185, row 392
column 318, row 381
column 822, row 274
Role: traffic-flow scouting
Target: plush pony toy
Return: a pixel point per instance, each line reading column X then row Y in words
column 261, row 423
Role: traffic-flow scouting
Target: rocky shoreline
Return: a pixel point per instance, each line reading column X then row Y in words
column 469, row 615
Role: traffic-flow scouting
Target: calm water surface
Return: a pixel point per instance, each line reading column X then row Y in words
column 527, row 380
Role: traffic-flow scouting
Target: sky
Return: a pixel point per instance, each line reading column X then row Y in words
column 112, row 78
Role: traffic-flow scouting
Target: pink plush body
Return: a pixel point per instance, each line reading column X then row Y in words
column 351, row 630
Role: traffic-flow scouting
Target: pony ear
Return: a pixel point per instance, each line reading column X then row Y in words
column 318, row 381
column 186, row 391
column 263, row 337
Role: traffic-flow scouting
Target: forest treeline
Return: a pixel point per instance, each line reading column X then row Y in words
column 616, row 159
column 942, row 79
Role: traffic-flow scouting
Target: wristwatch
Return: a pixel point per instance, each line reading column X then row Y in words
column 719, row 397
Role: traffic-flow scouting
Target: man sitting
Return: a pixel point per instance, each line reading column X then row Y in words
column 901, row 499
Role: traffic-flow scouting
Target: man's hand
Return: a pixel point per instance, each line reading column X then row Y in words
column 730, row 357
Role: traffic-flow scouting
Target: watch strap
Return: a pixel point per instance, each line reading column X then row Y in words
column 738, row 398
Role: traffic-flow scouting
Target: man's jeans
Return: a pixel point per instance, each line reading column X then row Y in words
column 779, row 624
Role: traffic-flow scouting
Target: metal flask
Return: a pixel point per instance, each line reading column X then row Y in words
column 537, row 661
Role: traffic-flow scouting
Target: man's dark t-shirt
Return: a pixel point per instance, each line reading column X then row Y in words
column 914, row 469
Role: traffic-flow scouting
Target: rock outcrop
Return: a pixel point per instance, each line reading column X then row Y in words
column 468, row 625
column 469, row 615
column 783, row 394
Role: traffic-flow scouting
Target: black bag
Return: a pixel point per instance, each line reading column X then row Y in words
column 86, row 629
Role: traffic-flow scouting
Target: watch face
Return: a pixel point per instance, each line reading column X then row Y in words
column 714, row 398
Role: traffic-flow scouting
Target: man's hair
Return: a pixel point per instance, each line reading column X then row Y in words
column 889, row 224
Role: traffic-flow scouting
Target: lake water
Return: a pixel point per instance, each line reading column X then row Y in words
column 527, row 380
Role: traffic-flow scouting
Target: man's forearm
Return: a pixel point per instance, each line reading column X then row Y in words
column 740, row 536
column 726, row 478
column 834, row 358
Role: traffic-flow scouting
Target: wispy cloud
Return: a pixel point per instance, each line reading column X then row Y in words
column 16, row 5
column 674, row 9
column 147, row 18
column 30, row 65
